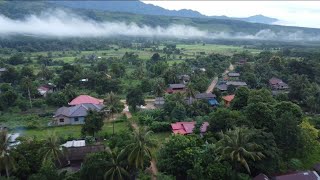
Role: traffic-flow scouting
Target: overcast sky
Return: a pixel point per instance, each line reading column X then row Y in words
column 295, row 13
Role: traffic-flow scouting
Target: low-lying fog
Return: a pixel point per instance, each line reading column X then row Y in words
column 58, row 23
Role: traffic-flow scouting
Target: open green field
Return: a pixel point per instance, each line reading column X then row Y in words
column 187, row 51
column 73, row 131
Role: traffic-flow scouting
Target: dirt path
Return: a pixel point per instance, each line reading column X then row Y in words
column 215, row 80
column 153, row 167
column 212, row 85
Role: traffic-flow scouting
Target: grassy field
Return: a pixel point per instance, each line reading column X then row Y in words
column 187, row 51
column 73, row 131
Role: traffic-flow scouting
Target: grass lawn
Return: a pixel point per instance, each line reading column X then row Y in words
column 71, row 130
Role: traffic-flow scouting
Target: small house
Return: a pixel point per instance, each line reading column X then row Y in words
column 227, row 99
column 241, row 62
column 187, row 127
column 2, row 70
column 277, row 84
column 233, row 76
column 74, row 114
column 236, row 83
column 159, row 101
column 211, row 98
column 222, row 87
column 85, row 99
column 302, row 175
column 261, row 176
column 175, row 88
column 184, row 79
column 46, row 89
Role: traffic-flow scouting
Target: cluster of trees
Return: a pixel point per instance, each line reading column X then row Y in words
column 41, row 159
column 257, row 134
column 300, row 73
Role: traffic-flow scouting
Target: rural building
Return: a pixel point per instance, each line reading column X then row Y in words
column 261, row 176
column 187, row 127
column 74, row 114
column 85, row 99
column 159, row 101
column 76, row 151
column 211, row 98
column 222, row 86
column 2, row 70
column 303, row 175
column 233, row 76
column 241, row 62
column 46, row 89
column 277, row 84
column 227, row 99
column 184, row 79
column 175, row 88
column 236, row 83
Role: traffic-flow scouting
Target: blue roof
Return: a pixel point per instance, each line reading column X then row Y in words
column 213, row 102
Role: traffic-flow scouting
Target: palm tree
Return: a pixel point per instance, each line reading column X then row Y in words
column 237, row 145
column 113, row 105
column 116, row 166
column 51, row 149
column 6, row 160
column 140, row 148
column 190, row 93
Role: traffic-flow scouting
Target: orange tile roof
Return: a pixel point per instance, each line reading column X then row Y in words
column 228, row 98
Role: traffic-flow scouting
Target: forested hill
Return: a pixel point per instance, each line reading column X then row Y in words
column 138, row 7
column 20, row 9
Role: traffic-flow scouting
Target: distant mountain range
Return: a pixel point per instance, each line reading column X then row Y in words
column 138, row 7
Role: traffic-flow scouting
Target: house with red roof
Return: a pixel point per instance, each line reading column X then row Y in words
column 187, row 127
column 227, row 99
column 85, row 99
column 175, row 88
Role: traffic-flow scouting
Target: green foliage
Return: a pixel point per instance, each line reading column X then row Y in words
column 97, row 163
column 92, row 123
column 241, row 98
column 135, row 98
column 177, row 155
column 223, row 119
column 260, row 115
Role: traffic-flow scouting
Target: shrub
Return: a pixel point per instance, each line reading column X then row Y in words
column 160, row 126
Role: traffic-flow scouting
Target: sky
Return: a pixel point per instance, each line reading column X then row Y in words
column 291, row 13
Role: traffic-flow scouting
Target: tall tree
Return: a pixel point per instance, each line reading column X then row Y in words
column 113, row 105
column 6, row 159
column 93, row 122
column 237, row 145
column 135, row 98
column 190, row 92
column 116, row 166
column 51, row 150
column 140, row 149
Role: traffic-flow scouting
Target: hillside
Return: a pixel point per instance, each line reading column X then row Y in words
column 138, row 7
column 18, row 10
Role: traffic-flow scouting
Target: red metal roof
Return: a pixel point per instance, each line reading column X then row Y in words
column 85, row 99
column 228, row 98
column 187, row 127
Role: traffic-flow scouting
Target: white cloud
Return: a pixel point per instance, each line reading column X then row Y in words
column 61, row 24
column 295, row 13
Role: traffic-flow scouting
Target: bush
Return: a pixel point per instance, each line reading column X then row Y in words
column 160, row 126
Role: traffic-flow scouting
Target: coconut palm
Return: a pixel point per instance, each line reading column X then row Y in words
column 6, row 160
column 237, row 145
column 140, row 148
column 51, row 150
column 190, row 92
column 116, row 166
column 113, row 105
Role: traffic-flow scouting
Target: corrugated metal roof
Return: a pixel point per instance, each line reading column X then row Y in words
column 74, row 143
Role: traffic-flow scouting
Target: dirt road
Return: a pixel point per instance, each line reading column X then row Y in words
column 212, row 85
column 153, row 167
column 215, row 80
